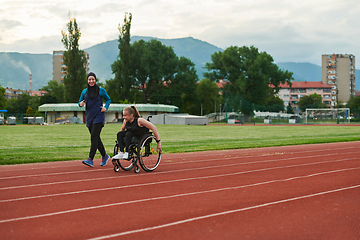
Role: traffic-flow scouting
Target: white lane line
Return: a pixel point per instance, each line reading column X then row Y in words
column 178, row 180
column 215, row 159
column 264, row 155
column 165, row 172
column 56, row 173
column 222, row 213
column 74, row 163
column 155, row 198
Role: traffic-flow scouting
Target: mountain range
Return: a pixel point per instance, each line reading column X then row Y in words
column 16, row 67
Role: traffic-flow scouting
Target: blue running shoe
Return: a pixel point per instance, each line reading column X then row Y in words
column 104, row 160
column 88, row 162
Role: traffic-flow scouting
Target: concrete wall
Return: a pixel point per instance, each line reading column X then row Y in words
column 179, row 119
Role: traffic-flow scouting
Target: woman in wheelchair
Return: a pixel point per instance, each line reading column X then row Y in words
column 133, row 128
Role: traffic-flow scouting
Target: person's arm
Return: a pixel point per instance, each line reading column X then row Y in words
column 81, row 99
column 123, row 127
column 144, row 123
column 104, row 95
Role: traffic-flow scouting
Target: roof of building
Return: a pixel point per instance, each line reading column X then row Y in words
column 305, row 84
column 221, row 83
column 114, row 107
column 38, row 93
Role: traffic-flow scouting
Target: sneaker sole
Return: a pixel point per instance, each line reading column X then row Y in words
column 88, row 164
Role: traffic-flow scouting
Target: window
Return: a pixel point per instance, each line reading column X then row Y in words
column 286, row 95
column 310, row 89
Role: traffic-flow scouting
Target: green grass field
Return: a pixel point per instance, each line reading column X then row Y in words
column 33, row 143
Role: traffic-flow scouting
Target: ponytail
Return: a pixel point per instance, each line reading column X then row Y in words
column 132, row 110
column 137, row 114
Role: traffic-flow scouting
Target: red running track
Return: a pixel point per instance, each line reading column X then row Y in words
column 292, row 192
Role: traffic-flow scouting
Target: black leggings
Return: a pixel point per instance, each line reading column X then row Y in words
column 96, row 142
column 129, row 138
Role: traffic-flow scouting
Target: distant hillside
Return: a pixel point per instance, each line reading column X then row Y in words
column 302, row 71
column 104, row 54
column 15, row 67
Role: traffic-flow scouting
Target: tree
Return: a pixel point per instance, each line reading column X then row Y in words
column 122, row 82
column 289, row 109
column 75, row 60
column 29, row 111
column 354, row 105
column 34, row 103
column 183, row 87
column 178, row 88
column 20, row 105
column 152, row 71
column 249, row 74
column 208, row 93
column 311, row 101
column 55, row 93
column 273, row 104
column 154, row 66
column 2, row 98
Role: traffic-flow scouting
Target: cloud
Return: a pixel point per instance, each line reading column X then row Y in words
column 41, row 45
column 9, row 24
column 288, row 30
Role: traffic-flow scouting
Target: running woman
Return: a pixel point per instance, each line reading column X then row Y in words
column 91, row 97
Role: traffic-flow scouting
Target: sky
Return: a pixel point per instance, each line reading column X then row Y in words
column 289, row 30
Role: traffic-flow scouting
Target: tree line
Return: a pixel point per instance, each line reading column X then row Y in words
column 150, row 72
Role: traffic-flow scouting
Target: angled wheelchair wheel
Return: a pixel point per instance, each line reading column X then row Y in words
column 125, row 165
column 148, row 157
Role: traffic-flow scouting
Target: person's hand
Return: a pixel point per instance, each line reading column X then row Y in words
column 82, row 103
column 158, row 148
column 103, row 109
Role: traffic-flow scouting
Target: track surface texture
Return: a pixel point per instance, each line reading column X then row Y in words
column 292, row 192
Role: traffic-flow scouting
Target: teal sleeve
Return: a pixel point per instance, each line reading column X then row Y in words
column 105, row 96
column 82, row 96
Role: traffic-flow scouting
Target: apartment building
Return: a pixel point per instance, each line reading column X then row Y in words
column 299, row 89
column 338, row 71
column 59, row 68
column 16, row 93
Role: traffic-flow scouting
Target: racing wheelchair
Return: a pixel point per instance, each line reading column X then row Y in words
column 142, row 152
